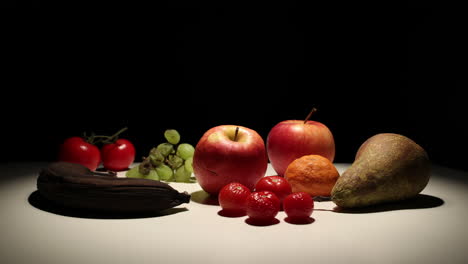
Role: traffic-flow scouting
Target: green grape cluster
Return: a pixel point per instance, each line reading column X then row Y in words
column 169, row 161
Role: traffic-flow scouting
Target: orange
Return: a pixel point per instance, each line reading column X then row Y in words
column 313, row 174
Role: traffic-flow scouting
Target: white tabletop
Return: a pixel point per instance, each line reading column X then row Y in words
column 432, row 229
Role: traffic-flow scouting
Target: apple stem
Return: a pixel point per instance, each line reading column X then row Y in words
column 235, row 133
column 310, row 114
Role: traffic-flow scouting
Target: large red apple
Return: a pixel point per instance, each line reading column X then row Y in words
column 292, row 139
column 229, row 153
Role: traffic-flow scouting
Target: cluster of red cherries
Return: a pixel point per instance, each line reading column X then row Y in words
column 271, row 194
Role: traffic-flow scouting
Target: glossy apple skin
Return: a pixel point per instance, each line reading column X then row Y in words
column 292, row 139
column 219, row 160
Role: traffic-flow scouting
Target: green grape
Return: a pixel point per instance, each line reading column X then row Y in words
column 181, row 175
column 185, row 151
column 172, row 136
column 165, row 172
column 174, row 161
column 156, row 157
column 152, row 175
column 165, row 149
column 145, row 166
column 188, row 164
column 134, row 173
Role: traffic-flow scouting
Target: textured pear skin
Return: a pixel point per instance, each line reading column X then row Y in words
column 387, row 168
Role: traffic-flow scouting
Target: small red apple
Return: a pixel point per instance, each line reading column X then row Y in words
column 292, row 139
column 229, row 153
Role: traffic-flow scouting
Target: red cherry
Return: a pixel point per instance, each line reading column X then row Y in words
column 263, row 206
column 232, row 198
column 298, row 207
column 276, row 184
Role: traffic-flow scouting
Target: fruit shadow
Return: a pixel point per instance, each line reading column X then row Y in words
column 254, row 222
column 203, row 197
column 39, row 202
column 304, row 221
column 421, row 201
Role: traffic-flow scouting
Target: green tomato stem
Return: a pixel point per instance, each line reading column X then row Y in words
column 104, row 139
column 116, row 135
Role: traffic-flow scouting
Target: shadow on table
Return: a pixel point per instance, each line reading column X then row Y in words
column 39, row 202
column 421, row 201
column 203, row 197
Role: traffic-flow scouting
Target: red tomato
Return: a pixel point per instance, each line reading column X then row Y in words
column 262, row 206
column 276, row 184
column 298, row 206
column 77, row 150
column 119, row 155
column 232, row 198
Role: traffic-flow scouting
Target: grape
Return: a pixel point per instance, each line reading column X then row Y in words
column 185, row 151
column 134, row 173
column 165, row 149
column 168, row 161
column 156, row 157
column 152, row 175
column 172, row 136
column 175, row 161
column 165, row 172
column 145, row 166
column 181, row 175
column 188, row 164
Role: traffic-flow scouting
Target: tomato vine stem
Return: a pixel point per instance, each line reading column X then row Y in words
column 95, row 139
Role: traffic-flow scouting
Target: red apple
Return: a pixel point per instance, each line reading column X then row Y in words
column 229, row 153
column 292, row 139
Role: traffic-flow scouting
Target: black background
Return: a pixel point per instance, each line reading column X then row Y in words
column 395, row 70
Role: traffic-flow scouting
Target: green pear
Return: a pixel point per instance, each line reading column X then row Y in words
column 387, row 168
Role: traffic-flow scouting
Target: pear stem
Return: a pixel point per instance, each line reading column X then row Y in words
column 310, row 114
column 235, row 133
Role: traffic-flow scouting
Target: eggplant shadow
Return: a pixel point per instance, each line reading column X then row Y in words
column 39, row 202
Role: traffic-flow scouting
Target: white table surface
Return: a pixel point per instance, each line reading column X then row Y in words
column 432, row 230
